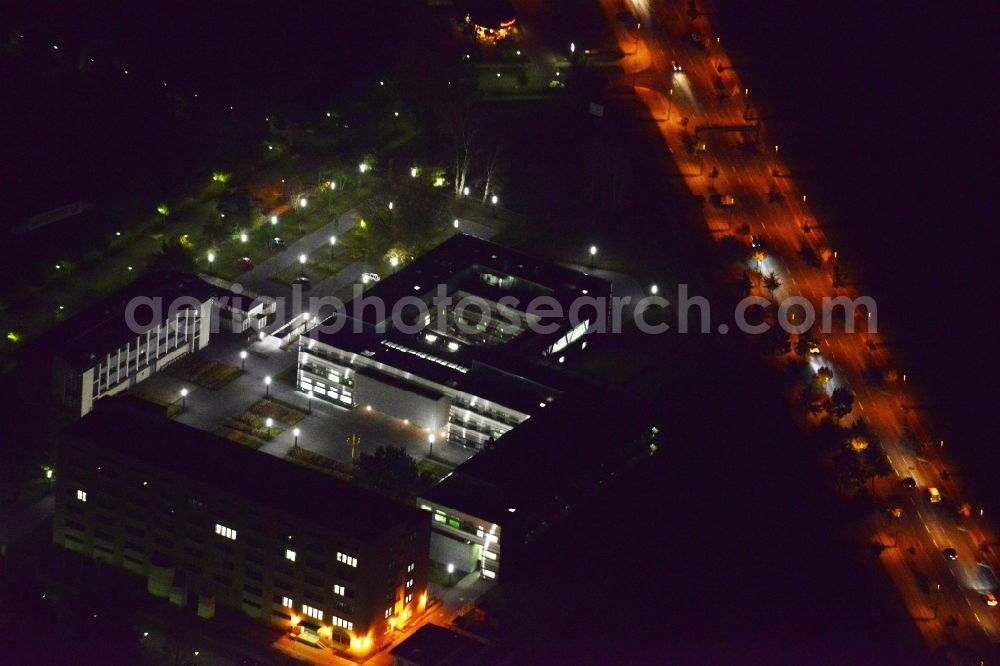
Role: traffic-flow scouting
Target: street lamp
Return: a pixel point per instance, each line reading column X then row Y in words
column 465, row 191
column 302, row 265
column 243, row 360
column 243, row 238
column 362, row 167
column 572, row 47
column 455, row 223
column 267, row 387
column 413, row 172
column 303, row 202
column 333, row 241
column 494, row 200
column 593, row 254
column 184, row 395
column 269, row 423
column 670, row 103
column 296, row 433
column 333, row 185
column 451, row 570
column 390, row 205
column 430, row 440
column 654, row 290
column 274, row 220
column 394, row 261
column 211, row 258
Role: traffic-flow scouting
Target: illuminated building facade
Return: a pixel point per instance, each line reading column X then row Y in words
column 98, row 353
column 209, row 522
column 475, row 364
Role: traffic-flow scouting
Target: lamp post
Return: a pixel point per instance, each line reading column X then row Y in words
column 296, row 432
column 451, row 570
column 593, row 254
column 184, row 395
column 303, row 202
column 430, row 441
column 211, row 258
column 269, row 423
column 654, row 290
column 455, row 223
column 670, row 103
column 302, row 265
column 274, row 220
column 333, row 241
column 267, row 386
column 243, row 361
column 394, row 261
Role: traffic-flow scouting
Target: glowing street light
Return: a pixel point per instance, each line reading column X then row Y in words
column 413, row 172
column 654, row 290
column 362, row 167
column 390, row 205
column 269, row 423
column 593, row 254
column 302, row 265
column 394, row 261
column 267, row 387
column 333, row 185
column 494, row 200
column 243, row 238
column 184, row 395
column 451, row 570
column 572, row 47
column 430, row 441
column 303, row 202
column 243, row 360
column 211, row 258
column 274, row 220
column 296, row 432
column 455, row 223
column 465, row 191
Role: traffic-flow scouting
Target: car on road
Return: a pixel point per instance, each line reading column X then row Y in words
column 934, row 495
column 756, row 243
column 814, row 348
column 909, row 483
column 950, row 554
column 676, row 65
column 370, row 277
column 990, row 599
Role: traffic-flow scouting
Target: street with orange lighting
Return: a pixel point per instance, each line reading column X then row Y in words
column 693, row 89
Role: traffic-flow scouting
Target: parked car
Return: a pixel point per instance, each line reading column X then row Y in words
column 950, row 554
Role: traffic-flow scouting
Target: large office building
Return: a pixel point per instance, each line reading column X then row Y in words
column 208, row 522
column 457, row 342
column 138, row 331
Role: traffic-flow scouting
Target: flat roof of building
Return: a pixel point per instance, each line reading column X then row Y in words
column 578, row 432
column 451, row 260
column 102, row 328
column 141, row 431
column 431, row 645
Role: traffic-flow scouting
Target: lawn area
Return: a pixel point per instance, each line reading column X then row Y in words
column 434, row 470
column 278, row 411
column 239, row 437
column 253, row 425
column 203, row 372
column 329, row 465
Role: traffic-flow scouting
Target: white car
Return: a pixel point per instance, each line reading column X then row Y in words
column 370, row 277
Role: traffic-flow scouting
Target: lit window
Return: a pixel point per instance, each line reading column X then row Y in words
column 312, row 612
column 490, row 555
column 347, row 559
column 287, row 602
column 410, row 568
column 340, row 622
column 388, row 612
column 227, row 532
column 489, row 574
column 81, row 495
column 289, row 554
column 409, row 583
column 408, row 598
column 339, row 589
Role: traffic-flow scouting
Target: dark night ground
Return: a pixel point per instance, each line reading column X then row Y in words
column 737, row 546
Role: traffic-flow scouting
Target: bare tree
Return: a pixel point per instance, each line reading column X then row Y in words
column 463, row 125
column 494, row 168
